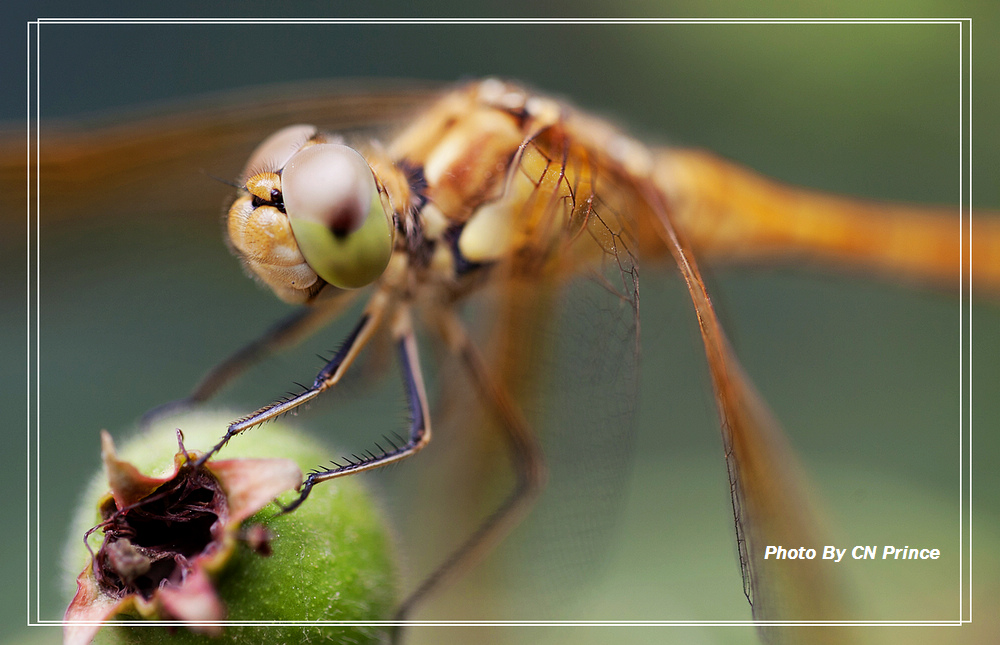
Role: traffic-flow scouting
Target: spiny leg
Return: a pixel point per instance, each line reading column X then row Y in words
column 526, row 460
column 329, row 376
column 420, row 427
column 286, row 332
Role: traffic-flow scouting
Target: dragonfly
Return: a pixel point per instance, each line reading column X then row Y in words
column 494, row 188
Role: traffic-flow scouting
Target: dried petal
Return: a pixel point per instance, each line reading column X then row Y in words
column 127, row 484
column 251, row 484
column 89, row 608
column 195, row 599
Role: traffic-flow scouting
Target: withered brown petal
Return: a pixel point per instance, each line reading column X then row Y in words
column 90, row 605
column 195, row 600
column 251, row 484
column 128, row 485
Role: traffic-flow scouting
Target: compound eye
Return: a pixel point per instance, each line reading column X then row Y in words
column 274, row 152
column 336, row 214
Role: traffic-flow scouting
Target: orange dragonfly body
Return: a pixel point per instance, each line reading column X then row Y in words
column 493, row 188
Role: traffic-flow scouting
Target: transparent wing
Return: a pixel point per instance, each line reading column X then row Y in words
column 569, row 350
column 561, row 338
column 588, row 424
column 770, row 502
column 137, row 161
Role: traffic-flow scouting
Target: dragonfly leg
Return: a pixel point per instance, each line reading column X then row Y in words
column 286, row 332
column 526, row 459
column 420, row 427
column 329, row 376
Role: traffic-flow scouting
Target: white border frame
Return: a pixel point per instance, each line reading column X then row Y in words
column 33, row 446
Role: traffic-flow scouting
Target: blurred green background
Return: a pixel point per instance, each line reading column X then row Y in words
column 863, row 375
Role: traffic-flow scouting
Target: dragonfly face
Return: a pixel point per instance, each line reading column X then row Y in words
column 320, row 222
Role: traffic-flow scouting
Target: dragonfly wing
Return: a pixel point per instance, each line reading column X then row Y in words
column 770, row 502
column 574, row 364
column 142, row 160
column 560, row 336
column 567, row 345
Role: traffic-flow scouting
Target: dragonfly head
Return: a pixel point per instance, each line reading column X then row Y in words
column 310, row 213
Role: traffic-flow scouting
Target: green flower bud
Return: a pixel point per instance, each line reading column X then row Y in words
column 330, row 560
